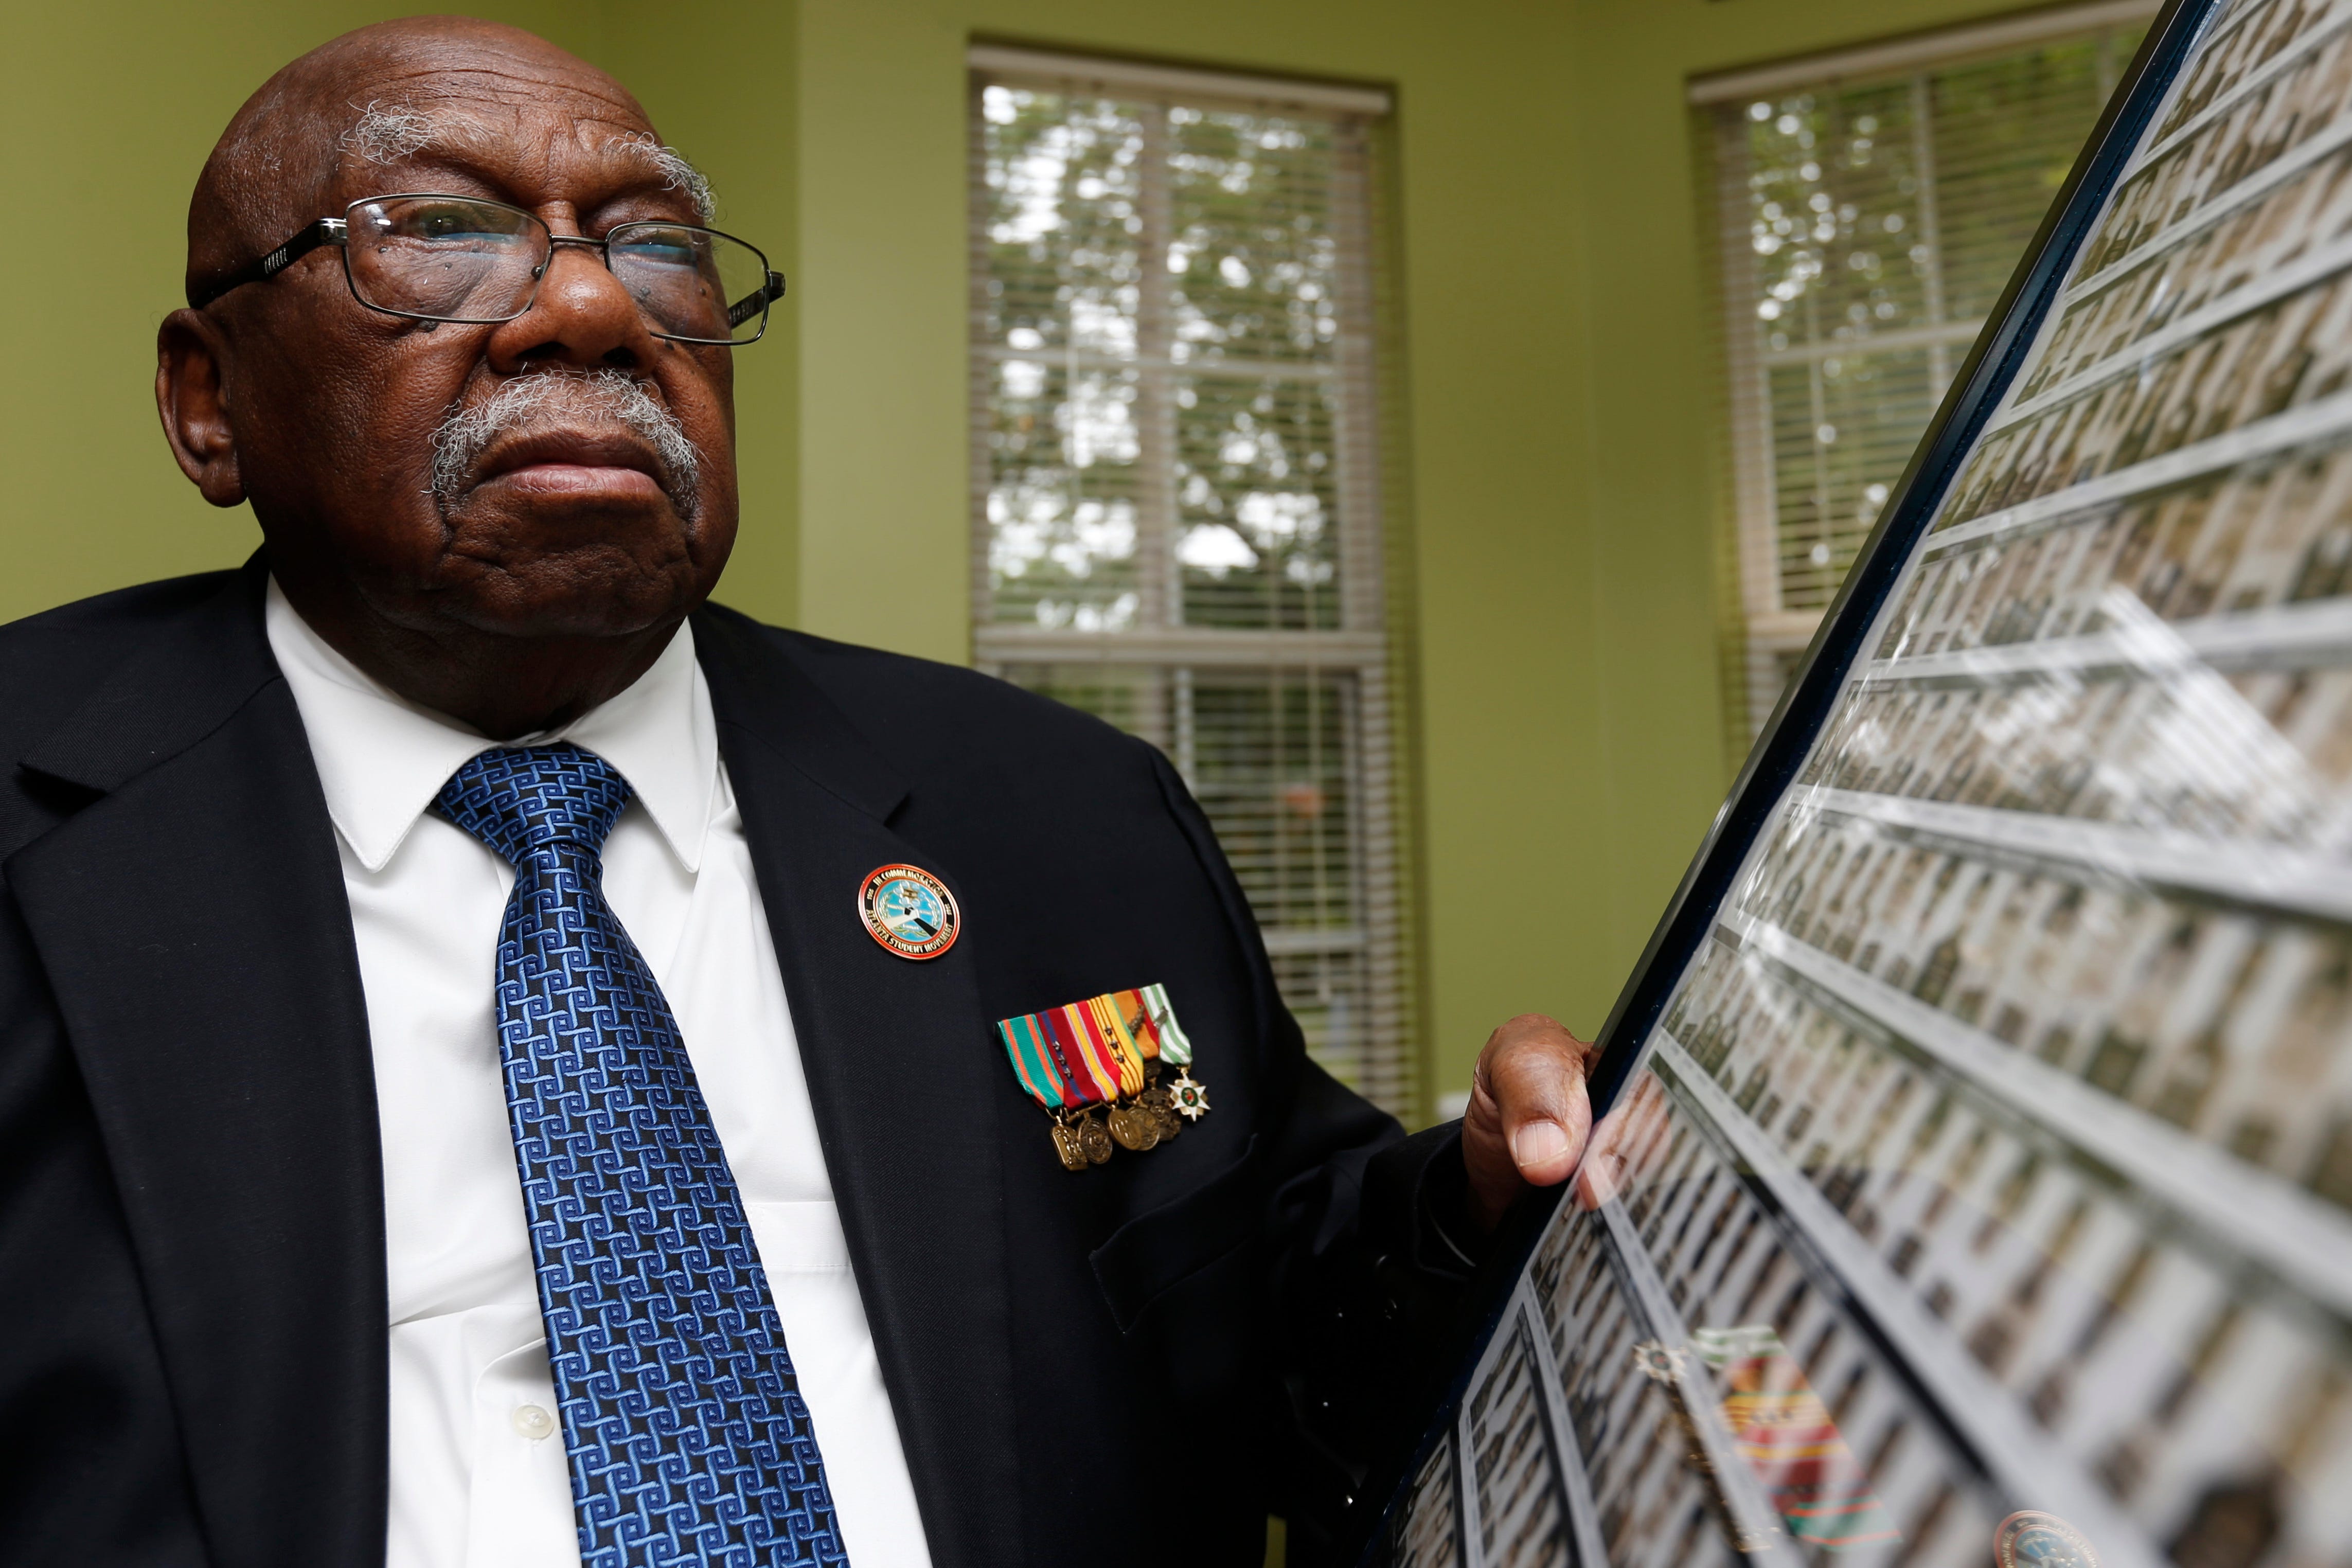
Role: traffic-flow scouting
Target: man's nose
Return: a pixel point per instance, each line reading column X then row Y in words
column 583, row 316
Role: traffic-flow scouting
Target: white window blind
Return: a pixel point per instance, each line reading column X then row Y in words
column 1872, row 205
column 1177, row 520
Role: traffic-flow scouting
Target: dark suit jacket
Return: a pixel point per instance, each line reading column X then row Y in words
column 1133, row 1363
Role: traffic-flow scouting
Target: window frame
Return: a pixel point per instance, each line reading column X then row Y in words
column 1358, row 652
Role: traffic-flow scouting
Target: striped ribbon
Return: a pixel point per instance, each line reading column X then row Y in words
column 1174, row 1048
column 1092, row 1052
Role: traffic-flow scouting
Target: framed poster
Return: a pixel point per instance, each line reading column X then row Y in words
column 1977, row 1180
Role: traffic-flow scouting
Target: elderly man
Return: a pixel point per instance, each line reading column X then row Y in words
column 504, row 1062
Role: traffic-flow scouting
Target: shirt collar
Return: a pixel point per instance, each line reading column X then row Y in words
column 381, row 758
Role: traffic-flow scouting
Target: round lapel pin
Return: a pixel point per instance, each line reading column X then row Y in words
column 2032, row 1539
column 909, row 911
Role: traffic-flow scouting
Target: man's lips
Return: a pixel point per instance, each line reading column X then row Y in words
column 575, row 463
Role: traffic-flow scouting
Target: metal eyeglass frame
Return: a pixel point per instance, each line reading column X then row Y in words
column 336, row 231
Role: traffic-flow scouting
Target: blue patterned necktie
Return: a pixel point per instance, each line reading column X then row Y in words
column 688, row 1440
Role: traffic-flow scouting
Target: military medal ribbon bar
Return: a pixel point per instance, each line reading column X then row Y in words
column 1105, row 1052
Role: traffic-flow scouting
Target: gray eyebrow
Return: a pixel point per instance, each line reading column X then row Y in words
column 677, row 175
column 387, row 133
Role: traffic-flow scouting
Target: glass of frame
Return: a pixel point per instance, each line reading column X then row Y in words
column 1976, row 1184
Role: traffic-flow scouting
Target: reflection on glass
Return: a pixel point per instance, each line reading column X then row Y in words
column 1986, row 1186
column 1790, row 1438
column 1522, row 1512
column 1430, row 1535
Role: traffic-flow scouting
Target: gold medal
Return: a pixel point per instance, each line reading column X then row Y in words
column 1161, row 1107
column 1093, row 1139
column 1134, row 1126
column 1070, row 1146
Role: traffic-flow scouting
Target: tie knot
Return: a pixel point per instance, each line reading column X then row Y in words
column 521, row 800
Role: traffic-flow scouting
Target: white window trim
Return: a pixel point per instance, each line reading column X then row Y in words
column 1360, row 649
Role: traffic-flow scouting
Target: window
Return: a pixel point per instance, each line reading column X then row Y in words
column 1873, row 206
column 1177, row 511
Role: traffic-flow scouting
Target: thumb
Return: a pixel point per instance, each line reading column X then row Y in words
column 1530, row 1095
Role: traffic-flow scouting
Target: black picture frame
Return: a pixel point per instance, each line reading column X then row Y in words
column 1789, row 736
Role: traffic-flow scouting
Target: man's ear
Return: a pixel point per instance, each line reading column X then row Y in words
column 191, row 353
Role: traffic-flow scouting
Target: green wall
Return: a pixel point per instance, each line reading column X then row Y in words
column 1562, row 451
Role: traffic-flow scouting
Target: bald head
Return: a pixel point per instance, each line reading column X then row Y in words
column 501, row 516
column 356, row 108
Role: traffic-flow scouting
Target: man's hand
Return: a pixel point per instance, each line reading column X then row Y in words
column 1529, row 1116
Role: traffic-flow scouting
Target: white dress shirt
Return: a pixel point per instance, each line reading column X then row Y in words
column 478, row 1478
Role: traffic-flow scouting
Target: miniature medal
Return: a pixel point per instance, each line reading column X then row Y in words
column 1134, row 1125
column 1192, row 1101
column 1080, row 1139
column 1093, row 1139
column 1069, row 1145
column 1156, row 1100
column 909, row 911
column 1105, row 1052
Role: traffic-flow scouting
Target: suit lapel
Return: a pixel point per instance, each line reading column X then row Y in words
column 192, row 923
column 897, row 1058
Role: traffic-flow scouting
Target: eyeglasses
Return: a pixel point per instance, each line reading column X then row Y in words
column 463, row 260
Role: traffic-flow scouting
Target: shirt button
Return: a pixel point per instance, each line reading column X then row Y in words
column 533, row 1421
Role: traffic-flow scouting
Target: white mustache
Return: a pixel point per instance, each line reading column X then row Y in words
column 610, row 395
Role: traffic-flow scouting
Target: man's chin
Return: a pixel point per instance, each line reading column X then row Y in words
column 592, row 591
column 539, row 560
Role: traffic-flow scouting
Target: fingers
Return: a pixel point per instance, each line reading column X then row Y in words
column 1528, row 1116
column 1533, row 1071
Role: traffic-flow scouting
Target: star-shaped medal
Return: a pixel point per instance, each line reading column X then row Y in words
column 1191, row 1100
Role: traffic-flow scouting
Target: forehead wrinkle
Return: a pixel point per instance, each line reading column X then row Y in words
column 456, row 82
column 505, row 163
column 450, row 100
